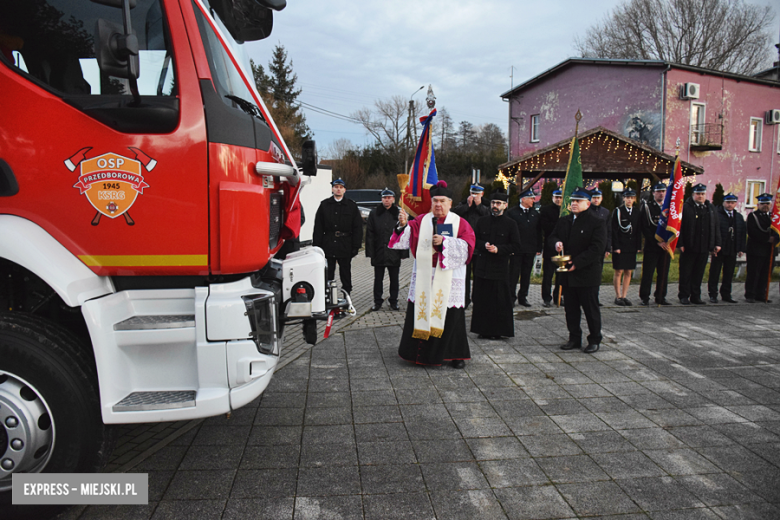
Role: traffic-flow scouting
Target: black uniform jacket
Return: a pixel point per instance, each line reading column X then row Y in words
column 338, row 228
column 549, row 217
column 529, row 224
column 625, row 230
column 472, row 213
column 758, row 232
column 379, row 228
column 584, row 240
column 649, row 213
column 699, row 231
column 603, row 214
column 732, row 233
column 501, row 232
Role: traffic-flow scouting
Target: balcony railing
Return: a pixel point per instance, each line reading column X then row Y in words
column 708, row 136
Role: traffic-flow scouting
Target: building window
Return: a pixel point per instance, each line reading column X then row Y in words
column 754, row 189
column 755, row 134
column 535, row 128
column 697, row 124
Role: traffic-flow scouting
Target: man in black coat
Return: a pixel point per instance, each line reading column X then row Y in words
column 379, row 228
column 699, row 238
column 656, row 259
column 760, row 248
column 732, row 243
column 338, row 230
column 529, row 226
column 581, row 235
column 472, row 209
column 548, row 217
column 497, row 238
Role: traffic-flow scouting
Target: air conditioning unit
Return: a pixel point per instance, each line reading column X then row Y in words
column 690, row 91
column 772, row 116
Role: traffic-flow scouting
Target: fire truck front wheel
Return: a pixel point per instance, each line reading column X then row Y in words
column 49, row 407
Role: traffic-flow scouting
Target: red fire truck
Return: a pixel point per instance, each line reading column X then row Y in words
column 145, row 195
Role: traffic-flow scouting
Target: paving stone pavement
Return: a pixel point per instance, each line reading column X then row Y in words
column 676, row 417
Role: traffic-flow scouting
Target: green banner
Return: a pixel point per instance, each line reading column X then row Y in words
column 573, row 178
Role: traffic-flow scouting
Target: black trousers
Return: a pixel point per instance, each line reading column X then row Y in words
column 656, row 260
column 379, row 278
column 757, row 274
column 345, row 272
column 520, row 267
column 587, row 299
column 726, row 263
column 548, row 272
column 469, row 270
column 692, row 266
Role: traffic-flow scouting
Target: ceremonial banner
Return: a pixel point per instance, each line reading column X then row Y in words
column 415, row 199
column 573, row 179
column 668, row 230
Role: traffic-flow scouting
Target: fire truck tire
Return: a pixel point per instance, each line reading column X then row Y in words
column 310, row 331
column 49, row 407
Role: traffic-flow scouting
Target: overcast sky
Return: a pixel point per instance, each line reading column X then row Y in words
column 348, row 53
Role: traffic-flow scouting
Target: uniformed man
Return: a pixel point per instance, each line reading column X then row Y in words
column 380, row 226
column 760, row 250
column 581, row 235
column 732, row 243
column 656, row 259
column 521, row 263
column 548, row 217
column 472, row 209
column 596, row 198
column 338, row 230
column 497, row 238
column 699, row 238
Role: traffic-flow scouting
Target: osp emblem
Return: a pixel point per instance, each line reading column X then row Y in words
column 111, row 182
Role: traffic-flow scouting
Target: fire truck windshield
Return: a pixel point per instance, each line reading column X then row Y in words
column 229, row 63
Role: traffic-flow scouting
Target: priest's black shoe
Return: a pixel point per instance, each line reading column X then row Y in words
column 547, row 304
column 376, row 307
column 571, row 345
column 685, row 301
column 698, row 301
column 663, row 302
column 728, row 299
column 524, row 302
column 395, row 307
column 713, row 299
column 645, row 302
column 458, row 363
column 591, row 348
column 750, row 300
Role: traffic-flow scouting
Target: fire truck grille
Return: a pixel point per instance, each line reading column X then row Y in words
column 275, row 220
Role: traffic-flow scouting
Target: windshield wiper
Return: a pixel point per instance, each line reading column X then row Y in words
column 247, row 106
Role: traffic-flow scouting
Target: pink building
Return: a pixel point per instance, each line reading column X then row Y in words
column 727, row 124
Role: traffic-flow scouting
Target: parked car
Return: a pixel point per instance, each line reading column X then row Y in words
column 366, row 200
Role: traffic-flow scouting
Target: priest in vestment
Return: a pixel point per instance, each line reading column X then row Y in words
column 442, row 244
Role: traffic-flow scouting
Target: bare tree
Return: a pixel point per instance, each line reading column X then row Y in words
column 727, row 35
column 387, row 123
column 338, row 149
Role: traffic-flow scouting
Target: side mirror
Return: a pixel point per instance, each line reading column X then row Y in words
column 309, row 158
column 247, row 20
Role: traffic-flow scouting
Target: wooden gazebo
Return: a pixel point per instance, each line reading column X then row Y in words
column 604, row 154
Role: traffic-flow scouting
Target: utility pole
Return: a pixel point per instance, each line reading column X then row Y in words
column 409, row 129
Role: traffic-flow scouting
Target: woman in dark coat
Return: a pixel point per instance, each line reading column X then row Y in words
column 626, row 240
